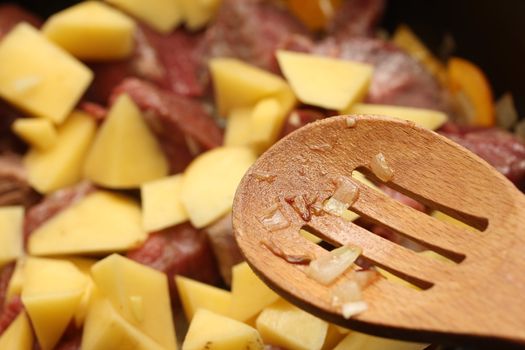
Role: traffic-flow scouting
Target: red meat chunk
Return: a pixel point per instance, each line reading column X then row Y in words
column 10, row 312
column 71, row 339
column 11, row 15
column 224, row 246
column 169, row 60
column 179, row 250
column 97, row 111
column 182, row 125
column 250, row 30
column 498, row 147
column 179, row 55
column 5, row 276
column 14, row 187
column 356, row 18
column 398, row 78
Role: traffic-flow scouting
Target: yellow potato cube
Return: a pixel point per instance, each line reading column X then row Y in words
column 334, row 335
column 84, row 266
column 162, row 15
column 197, row 13
column 161, row 203
column 209, row 330
column 210, row 181
column 11, row 237
column 283, row 324
column 51, row 292
column 124, row 282
column 426, row 118
column 450, row 220
column 195, row 295
column 91, row 30
column 238, row 128
column 61, row 165
column 309, row 236
column 240, row 85
column 125, row 152
column 359, row 341
column 39, row 133
column 19, row 335
column 325, row 82
column 17, row 280
column 38, row 76
column 100, row 222
column 249, row 294
column 266, row 121
column 105, row 328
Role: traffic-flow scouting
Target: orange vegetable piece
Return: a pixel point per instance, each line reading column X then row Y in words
column 468, row 82
column 314, row 13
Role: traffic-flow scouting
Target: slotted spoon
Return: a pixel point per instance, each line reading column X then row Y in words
column 479, row 300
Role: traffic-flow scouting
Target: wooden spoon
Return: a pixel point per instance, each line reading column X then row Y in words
column 479, row 300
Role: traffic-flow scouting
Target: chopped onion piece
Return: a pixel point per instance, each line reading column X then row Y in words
column 380, row 168
column 274, row 219
column 301, row 206
column 346, row 292
column 294, row 119
column 328, row 267
column 291, row 258
column 347, row 191
column 351, row 309
column 364, row 278
column 321, row 147
column 264, row 176
column 519, row 130
column 351, row 121
column 333, row 206
column 506, row 113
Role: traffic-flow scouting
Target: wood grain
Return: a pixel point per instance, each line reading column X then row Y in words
column 481, row 299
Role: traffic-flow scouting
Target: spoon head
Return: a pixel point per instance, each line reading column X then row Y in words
column 284, row 192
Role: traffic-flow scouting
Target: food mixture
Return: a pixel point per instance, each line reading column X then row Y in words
column 126, row 126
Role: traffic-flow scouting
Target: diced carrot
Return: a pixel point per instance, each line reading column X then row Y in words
column 406, row 39
column 468, row 82
column 314, row 13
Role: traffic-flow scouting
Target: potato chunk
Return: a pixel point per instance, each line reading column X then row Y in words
column 125, row 152
column 51, row 292
column 283, row 324
column 240, row 85
column 17, row 280
column 38, row 76
column 325, row 82
column 197, row 13
column 423, row 117
column 105, row 328
column 237, row 133
column 92, row 31
column 11, row 245
column 210, row 181
column 39, row 133
column 266, row 121
column 213, row 331
column 358, row 341
column 100, row 222
column 19, row 335
column 163, row 15
column 195, row 295
column 61, row 165
column 249, row 294
column 161, row 203
column 127, row 284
